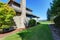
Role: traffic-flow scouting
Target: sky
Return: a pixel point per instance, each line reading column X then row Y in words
column 39, row 7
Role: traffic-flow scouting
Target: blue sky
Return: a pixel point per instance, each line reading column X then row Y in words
column 39, row 7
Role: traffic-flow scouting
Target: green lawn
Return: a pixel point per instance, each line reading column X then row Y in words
column 47, row 22
column 40, row 32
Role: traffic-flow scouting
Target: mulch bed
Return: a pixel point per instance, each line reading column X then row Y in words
column 6, row 34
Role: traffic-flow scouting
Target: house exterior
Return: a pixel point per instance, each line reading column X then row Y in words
column 17, row 19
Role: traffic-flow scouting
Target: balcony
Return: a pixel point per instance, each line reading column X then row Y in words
column 18, row 9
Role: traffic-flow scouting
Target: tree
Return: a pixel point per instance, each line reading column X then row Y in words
column 48, row 14
column 55, row 9
column 6, row 16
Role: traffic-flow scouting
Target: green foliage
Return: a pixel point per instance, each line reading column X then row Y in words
column 32, row 22
column 48, row 14
column 38, row 22
column 6, row 16
column 55, row 12
column 57, row 21
column 55, row 9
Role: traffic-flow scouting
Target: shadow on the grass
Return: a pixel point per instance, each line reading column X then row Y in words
column 24, row 33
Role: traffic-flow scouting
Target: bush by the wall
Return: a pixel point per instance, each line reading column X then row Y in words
column 57, row 21
column 6, row 16
column 38, row 22
column 32, row 22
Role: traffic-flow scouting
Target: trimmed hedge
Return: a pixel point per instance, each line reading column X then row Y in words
column 32, row 22
column 57, row 21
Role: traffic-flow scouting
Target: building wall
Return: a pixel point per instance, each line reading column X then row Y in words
column 17, row 21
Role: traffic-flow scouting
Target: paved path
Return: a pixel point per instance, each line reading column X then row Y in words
column 55, row 32
column 7, row 34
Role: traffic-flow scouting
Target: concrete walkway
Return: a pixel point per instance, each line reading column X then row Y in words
column 55, row 32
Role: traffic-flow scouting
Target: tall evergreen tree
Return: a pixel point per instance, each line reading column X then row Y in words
column 55, row 8
column 48, row 14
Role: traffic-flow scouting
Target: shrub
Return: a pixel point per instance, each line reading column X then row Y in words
column 6, row 16
column 38, row 22
column 57, row 21
column 32, row 22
